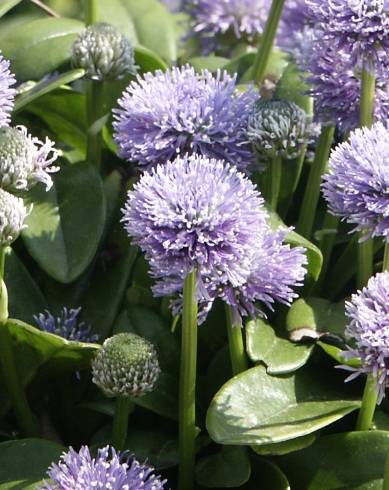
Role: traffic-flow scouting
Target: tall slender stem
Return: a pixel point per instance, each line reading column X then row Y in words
column 235, row 343
column 187, row 395
column 273, row 182
column 95, row 112
column 369, row 402
column 385, row 265
column 90, row 12
column 267, row 40
column 120, row 422
column 312, row 190
column 365, row 249
column 24, row 416
column 326, row 245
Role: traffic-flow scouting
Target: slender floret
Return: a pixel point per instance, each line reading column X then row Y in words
column 204, row 214
column 368, row 331
column 360, row 27
column 7, row 93
column 25, row 160
column 126, row 365
column 357, row 185
column 104, row 52
column 13, row 214
column 165, row 114
column 66, row 325
column 108, row 470
column 215, row 22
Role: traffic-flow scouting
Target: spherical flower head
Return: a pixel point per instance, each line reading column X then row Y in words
column 25, row 160
column 195, row 213
column 66, row 325
column 278, row 128
column 215, row 22
column 276, row 269
column 361, row 27
column 165, row 114
column 368, row 329
column 7, row 93
column 126, row 365
column 13, row 213
column 356, row 187
column 104, row 52
column 336, row 84
column 108, row 470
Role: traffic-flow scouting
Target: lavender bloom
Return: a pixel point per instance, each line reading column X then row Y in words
column 109, row 470
column 165, row 114
column 66, row 325
column 276, row 270
column 203, row 214
column 213, row 20
column 173, row 5
column 368, row 311
column 25, row 160
column 7, row 93
column 195, row 213
column 335, row 84
column 356, row 187
column 360, row 27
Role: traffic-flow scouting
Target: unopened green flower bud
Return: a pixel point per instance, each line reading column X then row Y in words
column 103, row 52
column 25, row 160
column 278, row 128
column 126, row 365
column 13, row 213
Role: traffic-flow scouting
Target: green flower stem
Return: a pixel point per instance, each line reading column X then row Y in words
column 235, row 343
column 187, row 388
column 90, row 12
column 275, row 181
column 267, row 40
column 24, row 416
column 120, row 422
column 385, row 266
column 312, row 190
column 369, row 402
column 326, row 245
column 365, row 262
column 386, row 474
column 95, row 113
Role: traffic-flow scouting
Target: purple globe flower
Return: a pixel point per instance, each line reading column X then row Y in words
column 360, row 27
column 109, row 470
column 216, row 21
column 66, row 325
column 368, row 329
column 198, row 213
column 204, row 214
column 335, row 85
column 165, row 114
column 276, row 269
column 7, row 93
column 357, row 185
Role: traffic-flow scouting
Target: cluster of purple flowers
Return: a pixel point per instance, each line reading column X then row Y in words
column 368, row 311
column 109, row 469
column 165, row 114
column 215, row 20
column 356, row 187
column 66, row 325
column 203, row 214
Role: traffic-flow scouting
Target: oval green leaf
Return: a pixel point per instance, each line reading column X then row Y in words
column 66, row 223
column 286, row 447
column 115, row 13
column 279, row 355
column 350, row 461
column 24, row 462
column 40, row 46
column 256, row 408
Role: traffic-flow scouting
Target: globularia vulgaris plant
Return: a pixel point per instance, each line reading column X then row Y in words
column 194, row 215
